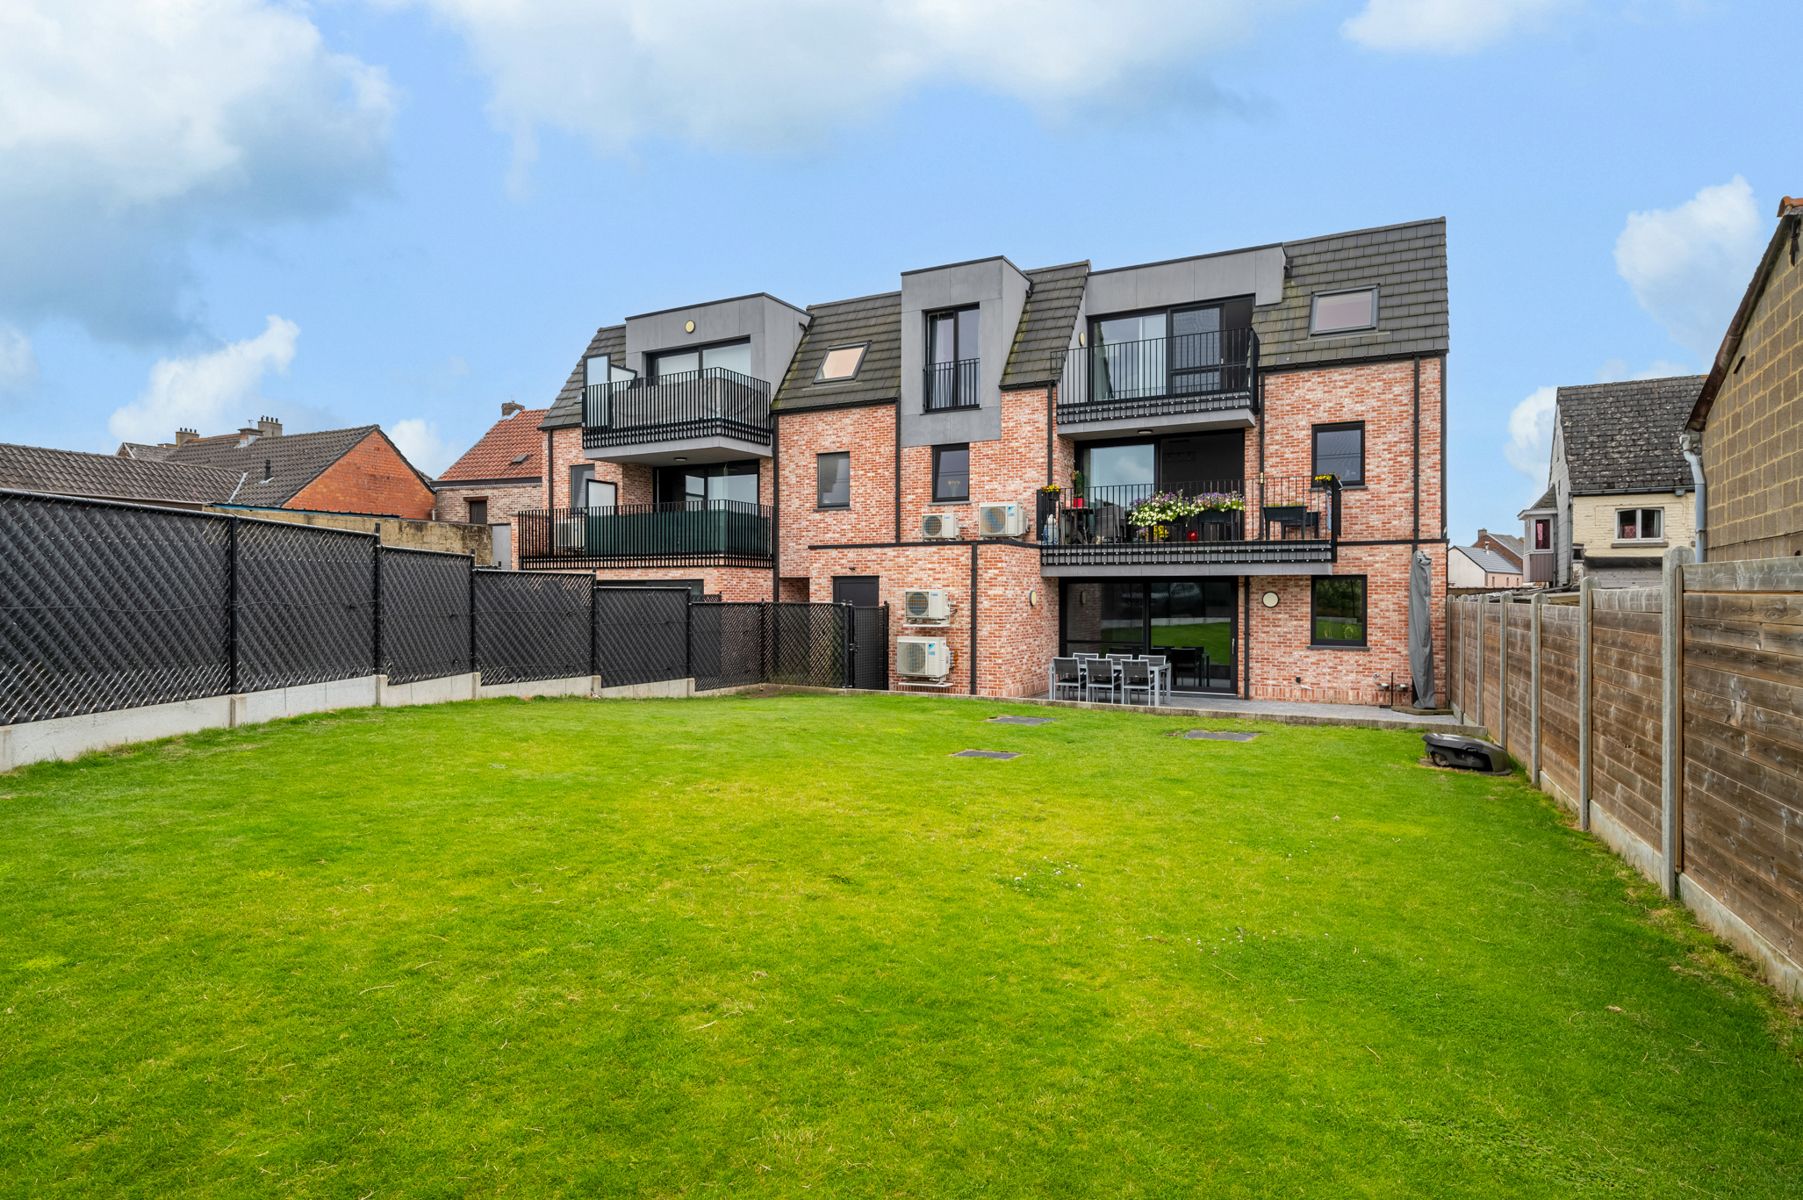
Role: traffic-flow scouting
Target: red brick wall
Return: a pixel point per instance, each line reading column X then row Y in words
column 504, row 504
column 372, row 478
column 729, row 583
column 1017, row 620
column 1011, row 468
column 868, row 434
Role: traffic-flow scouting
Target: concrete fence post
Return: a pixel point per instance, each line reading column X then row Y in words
column 1586, row 606
column 1534, row 688
column 1502, row 671
column 1671, row 711
column 1478, row 642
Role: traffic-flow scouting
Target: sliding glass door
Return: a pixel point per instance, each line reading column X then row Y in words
column 1190, row 621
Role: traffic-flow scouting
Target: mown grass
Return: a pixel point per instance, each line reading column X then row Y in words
column 785, row 945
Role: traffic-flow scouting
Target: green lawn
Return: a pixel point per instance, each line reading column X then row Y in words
column 786, row 946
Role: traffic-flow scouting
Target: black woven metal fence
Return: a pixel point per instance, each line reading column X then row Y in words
column 425, row 614
column 105, row 607
column 109, row 606
column 306, row 605
column 641, row 634
column 533, row 625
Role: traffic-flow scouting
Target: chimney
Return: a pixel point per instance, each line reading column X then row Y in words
column 247, row 434
column 267, row 473
column 269, row 427
column 509, row 407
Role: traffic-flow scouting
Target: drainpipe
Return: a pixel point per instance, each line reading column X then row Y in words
column 1690, row 444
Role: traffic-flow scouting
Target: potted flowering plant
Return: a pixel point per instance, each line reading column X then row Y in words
column 1076, row 489
column 1327, row 482
column 1156, row 514
column 1217, row 515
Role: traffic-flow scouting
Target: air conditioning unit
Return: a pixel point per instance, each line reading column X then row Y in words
column 1001, row 520
column 939, row 525
column 926, row 604
column 923, row 658
column 571, row 534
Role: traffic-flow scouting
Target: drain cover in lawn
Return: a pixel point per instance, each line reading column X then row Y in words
column 1013, row 720
column 1217, row 735
column 985, row 754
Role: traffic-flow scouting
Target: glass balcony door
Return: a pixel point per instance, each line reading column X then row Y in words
column 1192, row 622
column 709, row 485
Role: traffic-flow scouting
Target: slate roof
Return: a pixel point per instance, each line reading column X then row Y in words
column 1407, row 262
column 112, row 477
column 293, row 460
column 513, row 448
column 566, row 410
column 1044, row 333
column 1623, row 437
column 1490, row 560
column 872, row 319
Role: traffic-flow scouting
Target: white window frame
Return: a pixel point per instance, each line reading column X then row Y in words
column 1640, row 535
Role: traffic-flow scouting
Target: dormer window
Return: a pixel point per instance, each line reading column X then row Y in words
column 841, row 362
column 1343, row 312
column 953, row 377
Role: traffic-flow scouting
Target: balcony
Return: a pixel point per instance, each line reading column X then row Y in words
column 710, row 414
column 950, row 385
column 1183, row 382
column 1268, row 526
column 726, row 533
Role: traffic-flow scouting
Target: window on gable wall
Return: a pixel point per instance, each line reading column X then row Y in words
column 1639, row 524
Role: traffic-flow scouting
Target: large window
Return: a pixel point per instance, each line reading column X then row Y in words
column 1337, row 611
column 1543, row 533
column 1639, row 524
column 730, row 356
column 952, row 379
column 588, row 492
column 951, row 473
column 1340, row 451
column 832, row 473
column 709, row 483
column 1194, row 351
column 1343, row 312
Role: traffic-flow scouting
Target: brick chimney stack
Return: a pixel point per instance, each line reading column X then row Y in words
column 184, row 436
column 509, row 407
column 269, row 427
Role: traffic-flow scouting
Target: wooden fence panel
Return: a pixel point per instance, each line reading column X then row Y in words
column 1490, row 672
column 1625, row 675
column 1559, row 698
column 1468, row 671
column 1743, row 757
column 1518, row 688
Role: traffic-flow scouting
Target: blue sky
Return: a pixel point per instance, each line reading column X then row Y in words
column 409, row 211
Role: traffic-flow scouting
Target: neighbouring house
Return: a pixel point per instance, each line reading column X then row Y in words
column 1619, row 489
column 502, row 474
column 357, row 470
column 1505, row 544
column 1749, row 413
column 1230, row 459
column 111, row 477
column 1479, row 566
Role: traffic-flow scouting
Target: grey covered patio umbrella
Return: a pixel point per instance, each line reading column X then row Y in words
column 1421, row 629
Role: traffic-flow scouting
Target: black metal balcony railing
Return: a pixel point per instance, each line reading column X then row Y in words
column 695, row 532
column 1184, row 373
column 1267, row 519
column 712, row 402
column 952, row 384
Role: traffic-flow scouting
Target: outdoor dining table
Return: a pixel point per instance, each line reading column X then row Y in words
column 1161, row 676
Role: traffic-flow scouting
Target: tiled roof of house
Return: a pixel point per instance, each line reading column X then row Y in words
column 145, row 450
column 1406, row 262
column 875, row 320
column 112, row 477
column 566, row 410
column 1623, row 437
column 1548, row 502
column 274, row 468
column 513, row 448
column 1490, row 560
column 1044, row 333
column 1511, row 540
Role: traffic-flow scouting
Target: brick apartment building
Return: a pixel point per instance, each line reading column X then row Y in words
column 1246, row 449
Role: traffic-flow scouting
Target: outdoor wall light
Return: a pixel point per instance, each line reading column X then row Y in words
column 1032, row 597
column 688, row 327
column 1270, row 599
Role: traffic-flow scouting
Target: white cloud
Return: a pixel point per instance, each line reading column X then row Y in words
column 207, row 391
column 18, row 365
column 1530, row 445
column 421, row 442
column 730, row 75
column 128, row 129
column 1689, row 265
column 1444, row 26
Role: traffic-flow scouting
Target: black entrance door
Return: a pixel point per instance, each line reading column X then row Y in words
column 859, row 590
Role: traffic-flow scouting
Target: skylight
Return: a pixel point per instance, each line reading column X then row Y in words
column 842, row 362
column 1343, row 312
